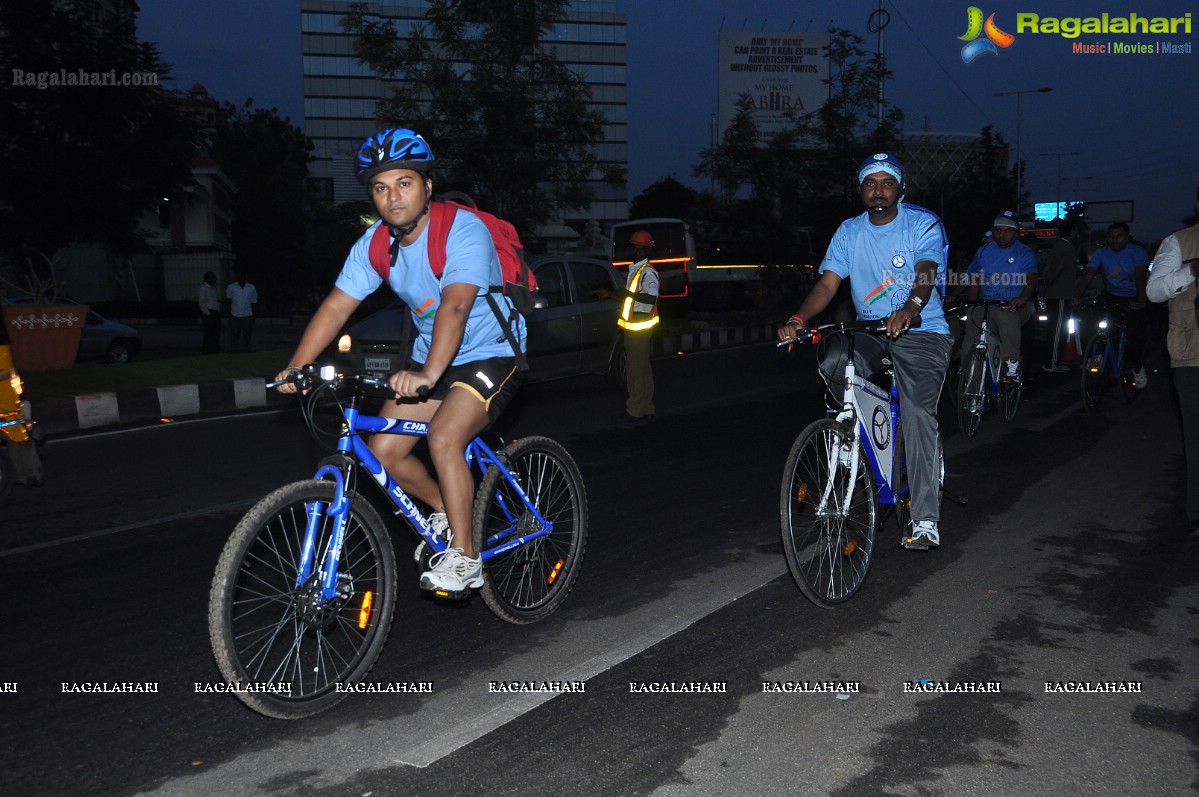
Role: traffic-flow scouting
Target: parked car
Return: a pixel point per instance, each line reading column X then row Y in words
column 571, row 333
column 109, row 340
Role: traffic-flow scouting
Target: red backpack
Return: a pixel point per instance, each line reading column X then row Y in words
column 519, row 281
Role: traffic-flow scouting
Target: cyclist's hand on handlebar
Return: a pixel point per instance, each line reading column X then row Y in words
column 899, row 322
column 790, row 330
column 409, row 384
column 287, row 378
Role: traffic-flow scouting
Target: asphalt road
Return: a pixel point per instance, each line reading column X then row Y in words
column 1067, row 566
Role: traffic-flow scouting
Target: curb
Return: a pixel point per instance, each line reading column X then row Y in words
column 68, row 414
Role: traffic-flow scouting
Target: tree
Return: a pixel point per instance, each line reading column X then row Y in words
column 666, row 198
column 88, row 141
column 274, row 212
column 508, row 122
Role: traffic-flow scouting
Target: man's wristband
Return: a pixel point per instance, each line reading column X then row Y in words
column 798, row 319
column 916, row 300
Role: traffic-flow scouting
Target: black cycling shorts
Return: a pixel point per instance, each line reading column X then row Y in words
column 493, row 382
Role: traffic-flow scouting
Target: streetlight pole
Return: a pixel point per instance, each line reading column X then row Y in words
column 1019, row 121
column 1057, row 206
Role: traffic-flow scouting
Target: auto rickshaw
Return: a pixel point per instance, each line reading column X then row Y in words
column 19, row 460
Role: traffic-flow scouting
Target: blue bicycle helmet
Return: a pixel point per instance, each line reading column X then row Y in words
column 882, row 162
column 398, row 148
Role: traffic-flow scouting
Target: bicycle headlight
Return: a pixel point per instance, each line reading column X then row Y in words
column 345, row 343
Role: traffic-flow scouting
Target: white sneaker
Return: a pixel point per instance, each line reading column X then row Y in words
column 1013, row 369
column 453, row 572
column 441, row 527
column 1140, row 380
column 925, row 535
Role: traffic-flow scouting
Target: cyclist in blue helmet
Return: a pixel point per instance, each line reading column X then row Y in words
column 892, row 255
column 461, row 354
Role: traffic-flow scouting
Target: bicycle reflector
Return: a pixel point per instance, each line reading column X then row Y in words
column 801, row 494
column 849, row 548
column 364, row 614
column 554, row 573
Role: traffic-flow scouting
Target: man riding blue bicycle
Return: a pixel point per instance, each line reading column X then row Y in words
column 892, row 254
column 1004, row 270
column 461, row 357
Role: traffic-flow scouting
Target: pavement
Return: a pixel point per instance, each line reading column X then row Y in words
column 66, row 415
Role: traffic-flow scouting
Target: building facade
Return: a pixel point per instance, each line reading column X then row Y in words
column 340, row 93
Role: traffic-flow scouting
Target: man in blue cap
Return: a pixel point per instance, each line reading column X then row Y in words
column 894, row 256
column 1003, row 270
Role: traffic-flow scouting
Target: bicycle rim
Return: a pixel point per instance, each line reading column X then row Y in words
column 528, row 582
column 1094, row 377
column 1009, row 398
column 828, row 525
column 971, row 400
column 266, row 630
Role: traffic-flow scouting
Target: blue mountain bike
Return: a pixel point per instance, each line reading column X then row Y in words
column 1106, row 359
column 304, row 592
column 839, row 471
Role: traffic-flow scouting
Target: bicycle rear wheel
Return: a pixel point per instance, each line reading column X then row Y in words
column 1094, row 374
column 1128, row 386
column 266, row 630
column 828, row 525
column 1009, row 397
column 528, row 582
column 971, row 399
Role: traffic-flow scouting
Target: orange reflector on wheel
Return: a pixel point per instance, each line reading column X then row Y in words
column 554, row 573
column 364, row 614
column 801, row 494
column 849, row 548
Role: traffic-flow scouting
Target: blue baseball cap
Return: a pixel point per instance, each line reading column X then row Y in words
column 881, row 162
column 1007, row 219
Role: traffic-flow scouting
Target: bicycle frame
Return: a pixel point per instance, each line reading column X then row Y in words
column 988, row 341
column 864, row 399
column 356, row 452
column 1111, row 358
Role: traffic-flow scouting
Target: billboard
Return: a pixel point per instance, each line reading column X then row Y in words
column 781, row 73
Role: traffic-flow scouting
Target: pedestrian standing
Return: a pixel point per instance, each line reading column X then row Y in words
column 242, row 296
column 1057, row 287
column 1173, row 279
column 210, row 314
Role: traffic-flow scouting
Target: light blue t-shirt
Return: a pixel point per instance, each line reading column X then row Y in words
column 470, row 258
column 1119, row 268
column 880, row 261
column 1003, row 271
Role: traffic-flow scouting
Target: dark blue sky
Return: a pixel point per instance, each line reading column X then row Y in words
column 1132, row 117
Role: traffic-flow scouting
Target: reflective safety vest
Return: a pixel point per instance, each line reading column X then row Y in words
column 626, row 311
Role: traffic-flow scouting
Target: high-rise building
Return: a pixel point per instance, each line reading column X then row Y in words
column 340, row 93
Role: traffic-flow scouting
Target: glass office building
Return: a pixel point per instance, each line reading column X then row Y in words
column 340, row 94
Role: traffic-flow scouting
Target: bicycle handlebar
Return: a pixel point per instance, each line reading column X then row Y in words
column 876, row 326
column 305, row 377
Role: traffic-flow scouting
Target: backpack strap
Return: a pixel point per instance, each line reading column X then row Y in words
column 382, row 253
column 441, row 218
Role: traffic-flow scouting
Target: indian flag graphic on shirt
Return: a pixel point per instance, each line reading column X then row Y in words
column 426, row 310
column 881, row 291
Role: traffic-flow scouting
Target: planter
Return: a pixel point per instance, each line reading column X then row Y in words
column 45, row 337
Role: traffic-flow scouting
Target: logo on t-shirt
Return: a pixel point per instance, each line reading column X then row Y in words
column 899, row 261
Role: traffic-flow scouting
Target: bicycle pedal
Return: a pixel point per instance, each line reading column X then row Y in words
column 451, row 595
column 911, row 545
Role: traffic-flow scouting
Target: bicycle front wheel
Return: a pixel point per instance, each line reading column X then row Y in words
column 971, row 400
column 528, row 582
column 268, row 632
column 828, row 523
column 1094, row 372
column 1128, row 385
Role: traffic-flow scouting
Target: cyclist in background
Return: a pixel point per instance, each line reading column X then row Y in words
column 461, row 354
column 1125, row 270
column 891, row 254
column 1003, row 270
